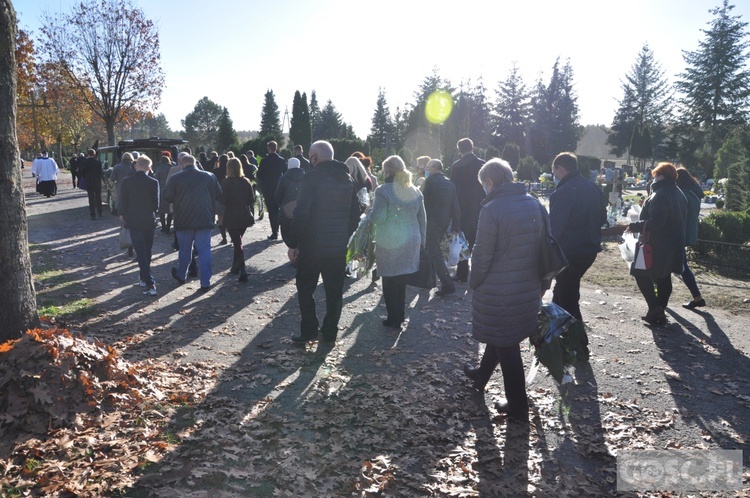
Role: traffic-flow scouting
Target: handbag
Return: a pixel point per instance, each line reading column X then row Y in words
column 643, row 259
column 424, row 278
column 551, row 258
column 125, row 241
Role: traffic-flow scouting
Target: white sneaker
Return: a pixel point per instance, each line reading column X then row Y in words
column 150, row 292
column 141, row 283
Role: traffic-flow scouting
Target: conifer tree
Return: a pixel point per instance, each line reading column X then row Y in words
column 314, row 116
column 226, row 136
column 300, row 128
column 510, row 118
column 382, row 123
column 270, row 120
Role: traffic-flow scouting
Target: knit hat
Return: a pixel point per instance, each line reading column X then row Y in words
column 292, row 163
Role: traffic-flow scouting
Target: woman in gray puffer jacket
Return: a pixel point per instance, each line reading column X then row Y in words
column 505, row 279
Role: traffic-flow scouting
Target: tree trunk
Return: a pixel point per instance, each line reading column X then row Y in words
column 110, row 125
column 17, row 296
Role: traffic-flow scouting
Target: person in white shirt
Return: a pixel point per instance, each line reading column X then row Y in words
column 45, row 170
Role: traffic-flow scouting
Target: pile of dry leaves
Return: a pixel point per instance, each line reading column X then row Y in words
column 63, row 427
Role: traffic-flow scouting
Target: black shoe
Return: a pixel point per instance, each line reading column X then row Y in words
column 392, row 323
column 443, row 293
column 501, row 405
column 174, row 275
column 223, row 242
column 298, row 339
column 655, row 316
column 203, row 290
column 234, row 271
column 694, row 304
column 273, row 236
column 472, row 373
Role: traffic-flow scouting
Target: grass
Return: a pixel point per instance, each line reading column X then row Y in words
column 79, row 307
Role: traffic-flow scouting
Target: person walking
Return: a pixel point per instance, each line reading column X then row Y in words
column 505, row 279
column 139, row 201
column 398, row 215
column 470, row 194
column 326, row 215
column 161, row 173
column 304, row 164
column 45, row 170
column 286, row 196
column 73, row 167
column 238, row 198
column 269, row 172
column 693, row 193
column 122, row 170
column 91, row 172
column 441, row 207
column 662, row 223
column 193, row 194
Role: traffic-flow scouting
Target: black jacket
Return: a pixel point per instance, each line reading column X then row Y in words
column 304, row 163
column 269, row 172
column 441, row 204
column 464, row 174
column 139, row 200
column 238, row 197
column 288, row 186
column 327, row 211
column 193, row 194
column 577, row 211
column 91, row 171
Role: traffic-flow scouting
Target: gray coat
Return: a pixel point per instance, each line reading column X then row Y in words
column 504, row 266
column 400, row 223
column 194, row 194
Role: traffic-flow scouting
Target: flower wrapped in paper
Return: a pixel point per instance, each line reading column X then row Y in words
column 559, row 342
column 360, row 252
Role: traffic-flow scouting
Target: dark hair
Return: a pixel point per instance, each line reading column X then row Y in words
column 465, row 145
column 685, row 179
column 566, row 160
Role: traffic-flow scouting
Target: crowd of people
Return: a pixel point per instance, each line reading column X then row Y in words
column 316, row 203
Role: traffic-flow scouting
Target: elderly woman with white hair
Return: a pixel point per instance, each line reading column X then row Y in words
column 399, row 218
column 506, row 283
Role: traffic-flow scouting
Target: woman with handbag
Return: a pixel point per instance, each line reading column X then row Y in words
column 399, row 218
column 505, row 277
column 662, row 227
column 237, row 198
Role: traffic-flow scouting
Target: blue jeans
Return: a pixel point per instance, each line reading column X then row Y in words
column 202, row 240
column 143, row 241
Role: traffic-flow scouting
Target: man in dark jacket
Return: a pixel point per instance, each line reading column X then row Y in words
column 91, row 171
column 326, row 215
column 73, row 166
column 286, row 196
column 577, row 212
column 269, row 172
column 138, row 202
column 441, row 206
column 470, row 195
column 193, row 194
column 304, row 164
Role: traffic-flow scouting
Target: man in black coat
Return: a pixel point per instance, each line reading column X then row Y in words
column 269, row 172
column 327, row 213
column 304, row 164
column 464, row 174
column 91, row 171
column 441, row 207
column 138, row 202
column 73, row 166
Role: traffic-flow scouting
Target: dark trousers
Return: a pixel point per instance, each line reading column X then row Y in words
column 143, row 241
column 333, row 270
column 462, row 269
column 394, row 295
column 166, row 221
column 273, row 214
column 95, row 199
column 74, row 178
column 511, row 365
column 235, row 234
column 567, row 291
column 432, row 248
column 658, row 297
column 688, row 277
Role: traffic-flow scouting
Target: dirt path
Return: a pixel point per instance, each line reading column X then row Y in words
column 286, row 420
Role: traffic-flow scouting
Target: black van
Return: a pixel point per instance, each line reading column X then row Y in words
column 153, row 147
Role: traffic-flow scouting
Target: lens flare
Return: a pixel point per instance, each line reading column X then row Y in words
column 438, row 107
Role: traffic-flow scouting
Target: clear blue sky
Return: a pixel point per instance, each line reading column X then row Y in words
column 232, row 51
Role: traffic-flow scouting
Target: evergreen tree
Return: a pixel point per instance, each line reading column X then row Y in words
column 226, row 137
column 330, row 124
column 715, row 86
column 641, row 146
column 270, row 120
column 202, row 124
column 382, row 124
column 300, row 129
column 426, row 138
column 512, row 111
column 479, row 118
column 645, row 103
column 314, row 116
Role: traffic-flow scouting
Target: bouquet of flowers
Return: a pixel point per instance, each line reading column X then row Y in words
column 360, row 252
column 558, row 342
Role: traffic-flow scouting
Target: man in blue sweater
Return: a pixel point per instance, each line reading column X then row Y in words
column 577, row 212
